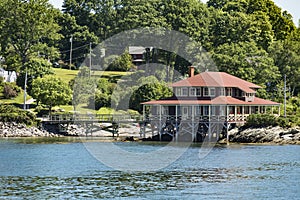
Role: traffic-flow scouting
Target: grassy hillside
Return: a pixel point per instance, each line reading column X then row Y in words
column 67, row 75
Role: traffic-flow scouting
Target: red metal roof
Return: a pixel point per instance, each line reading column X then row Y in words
column 221, row 100
column 217, row 79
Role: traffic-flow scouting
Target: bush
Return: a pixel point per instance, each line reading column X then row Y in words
column 10, row 90
column 260, row 121
column 9, row 113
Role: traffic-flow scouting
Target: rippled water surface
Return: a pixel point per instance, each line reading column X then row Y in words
column 64, row 169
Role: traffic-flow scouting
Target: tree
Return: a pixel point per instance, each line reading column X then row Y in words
column 148, row 92
column 24, row 24
column 51, row 91
column 245, row 60
column 286, row 54
column 281, row 22
column 81, row 36
column 237, row 27
column 121, row 63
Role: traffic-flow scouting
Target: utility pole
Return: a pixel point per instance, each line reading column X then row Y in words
column 285, row 95
column 71, row 41
column 25, row 92
column 90, row 58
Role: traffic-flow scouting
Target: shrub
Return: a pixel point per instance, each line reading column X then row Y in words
column 9, row 113
column 261, row 120
column 10, row 90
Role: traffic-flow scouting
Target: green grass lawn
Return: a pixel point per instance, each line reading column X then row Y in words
column 67, row 75
column 18, row 100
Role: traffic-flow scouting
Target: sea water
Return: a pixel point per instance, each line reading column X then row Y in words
column 65, row 169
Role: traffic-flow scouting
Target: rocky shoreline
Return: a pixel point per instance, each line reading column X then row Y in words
column 274, row 135
column 12, row 129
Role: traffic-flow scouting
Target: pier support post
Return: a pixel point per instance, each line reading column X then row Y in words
column 227, row 135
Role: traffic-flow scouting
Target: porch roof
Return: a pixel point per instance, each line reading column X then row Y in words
column 221, row 100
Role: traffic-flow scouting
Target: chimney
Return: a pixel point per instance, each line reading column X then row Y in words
column 191, row 71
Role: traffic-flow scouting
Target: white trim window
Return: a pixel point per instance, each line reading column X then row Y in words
column 198, row 92
column 197, row 110
column 229, row 92
column 209, row 92
column 184, row 91
column 178, row 91
column 205, row 110
column 193, row 91
column 206, row 92
column 222, row 91
column 212, row 92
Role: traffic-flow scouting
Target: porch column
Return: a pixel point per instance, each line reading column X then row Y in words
column 278, row 110
column 250, row 110
column 235, row 112
column 243, row 113
column 272, row 110
column 227, row 113
column 144, row 114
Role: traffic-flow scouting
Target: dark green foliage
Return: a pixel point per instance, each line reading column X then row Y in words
column 147, row 92
column 121, row 63
column 101, row 100
column 10, row 90
column 260, row 120
column 265, row 120
column 9, row 113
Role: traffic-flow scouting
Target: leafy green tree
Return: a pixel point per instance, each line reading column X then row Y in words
column 24, row 25
column 137, row 14
column 84, row 88
column 37, row 67
column 247, row 61
column 81, row 36
column 147, row 92
column 121, row 63
column 286, row 54
column 281, row 22
column 240, row 27
column 51, row 91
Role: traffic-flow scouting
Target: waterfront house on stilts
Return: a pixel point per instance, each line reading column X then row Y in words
column 204, row 106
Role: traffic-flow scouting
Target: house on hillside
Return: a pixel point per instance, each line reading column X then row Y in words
column 8, row 76
column 207, row 103
column 137, row 53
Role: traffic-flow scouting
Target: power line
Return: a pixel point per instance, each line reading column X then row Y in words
column 73, row 49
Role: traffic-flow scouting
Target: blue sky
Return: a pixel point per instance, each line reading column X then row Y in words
column 292, row 6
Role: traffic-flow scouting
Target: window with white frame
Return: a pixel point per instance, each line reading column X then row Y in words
column 229, row 92
column 205, row 110
column 213, row 110
column 178, row 91
column 212, row 92
column 206, row 92
column 222, row 91
column 198, row 92
column 193, row 92
column 184, row 92
column 197, row 110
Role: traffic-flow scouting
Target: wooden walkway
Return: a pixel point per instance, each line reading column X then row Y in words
column 91, row 118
